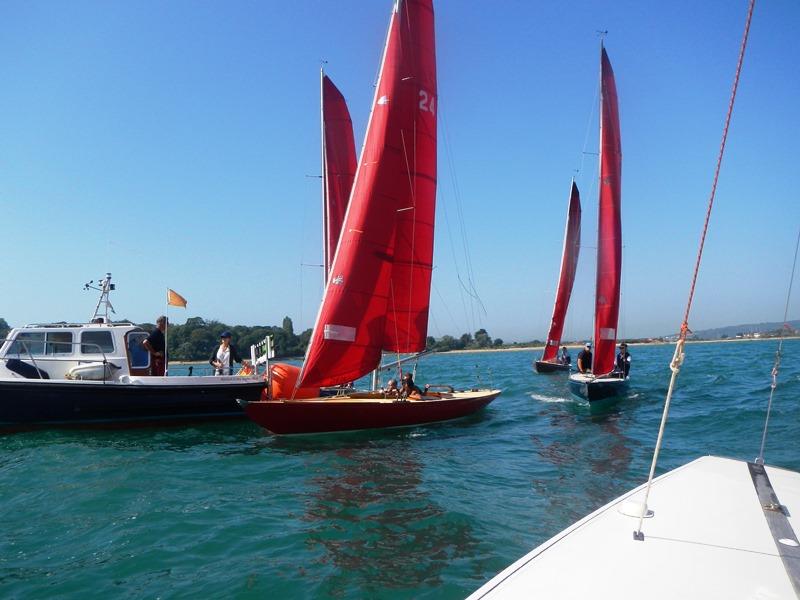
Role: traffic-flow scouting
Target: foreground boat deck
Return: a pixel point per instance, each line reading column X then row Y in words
column 708, row 537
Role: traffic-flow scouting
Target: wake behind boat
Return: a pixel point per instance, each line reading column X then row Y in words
column 97, row 374
column 377, row 292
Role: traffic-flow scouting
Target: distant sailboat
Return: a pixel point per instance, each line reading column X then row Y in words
column 338, row 166
column 378, row 291
column 549, row 362
column 603, row 382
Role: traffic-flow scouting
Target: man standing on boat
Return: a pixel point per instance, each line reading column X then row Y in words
column 622, row 366
column 156, row 346
column 585, row 359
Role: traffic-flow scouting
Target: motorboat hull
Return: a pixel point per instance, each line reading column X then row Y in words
column 363, row 411
column 543, row 366
column 595, row 389
column 46, row 403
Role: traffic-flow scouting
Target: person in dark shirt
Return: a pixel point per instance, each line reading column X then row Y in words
column 585, row 359
column 410, row 390
column 622, row 366
column 564, row 358
column 156, row 346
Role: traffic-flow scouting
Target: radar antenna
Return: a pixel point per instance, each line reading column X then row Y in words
column 105, row 287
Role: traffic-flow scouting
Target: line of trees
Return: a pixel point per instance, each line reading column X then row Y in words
column 467, row 341
column 197, row 338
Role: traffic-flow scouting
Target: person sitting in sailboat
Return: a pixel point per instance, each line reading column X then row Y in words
column 622, row 365
column 585, row 359
column 223, row 357
column 564, row 358
column 410, row 390
column 391, row 391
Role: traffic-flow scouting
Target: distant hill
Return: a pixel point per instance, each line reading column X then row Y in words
column 746, row 330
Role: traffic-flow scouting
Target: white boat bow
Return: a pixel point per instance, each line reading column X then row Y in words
column 708, row 536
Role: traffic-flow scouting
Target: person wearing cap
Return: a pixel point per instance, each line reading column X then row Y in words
column 223, row 357
column 585, row 359
column 622, row 366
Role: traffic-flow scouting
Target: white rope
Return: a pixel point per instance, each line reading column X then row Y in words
column 776, row 366
column 675, row 367
column 677, row 359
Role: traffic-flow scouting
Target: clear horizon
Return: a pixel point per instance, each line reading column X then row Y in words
column 172, row 146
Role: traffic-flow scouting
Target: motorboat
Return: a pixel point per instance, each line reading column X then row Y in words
column 98, row 374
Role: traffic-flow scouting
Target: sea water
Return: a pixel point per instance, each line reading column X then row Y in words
column 230, row 511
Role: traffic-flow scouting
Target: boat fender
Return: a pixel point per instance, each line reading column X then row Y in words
column 93, row 371
column 284, row 380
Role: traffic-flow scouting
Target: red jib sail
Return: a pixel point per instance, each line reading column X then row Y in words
column 609, row 240
column 378, row 290
column 338, row 166
column 569, row 263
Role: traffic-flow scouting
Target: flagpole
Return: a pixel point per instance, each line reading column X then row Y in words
column 166, row 337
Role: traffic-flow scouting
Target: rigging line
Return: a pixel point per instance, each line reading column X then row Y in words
column 454, row 183
column 394, row 320
column 453, row 251
column 446, row 307
column 459, row 207
column 776, row 366
column 469, row 288
column 588, row 131
column 677, row 359
column 412, row 180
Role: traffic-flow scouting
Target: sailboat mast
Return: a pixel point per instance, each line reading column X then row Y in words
column 326, row 259
column 599, row 191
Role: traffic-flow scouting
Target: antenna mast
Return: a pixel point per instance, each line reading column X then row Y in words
column 105, row 287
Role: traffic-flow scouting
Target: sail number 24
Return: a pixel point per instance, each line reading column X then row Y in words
column 427, row 102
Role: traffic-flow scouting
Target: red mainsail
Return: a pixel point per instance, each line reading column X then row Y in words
column 338, row 166
column 609, row 229
column 378, row 289
column 569, row 263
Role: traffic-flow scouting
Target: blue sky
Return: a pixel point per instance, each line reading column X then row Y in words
column 171, row 144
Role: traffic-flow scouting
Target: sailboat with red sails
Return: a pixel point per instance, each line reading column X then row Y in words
column 550, row 361
column 377, row 293
column 603, row 381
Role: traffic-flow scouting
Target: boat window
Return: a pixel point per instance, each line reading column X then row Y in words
column 137, row 353
column 90, row 340
column 28, row 342
column 58, row 342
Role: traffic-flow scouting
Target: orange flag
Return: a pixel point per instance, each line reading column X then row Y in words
column 175, row 299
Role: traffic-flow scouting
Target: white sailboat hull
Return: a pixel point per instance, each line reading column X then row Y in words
column 707, row 537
